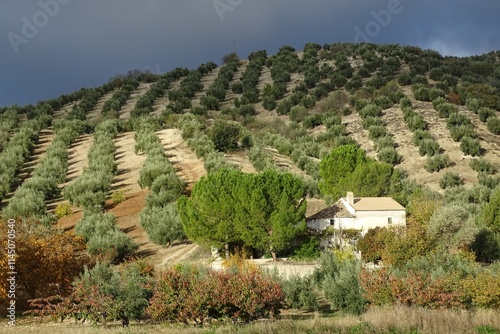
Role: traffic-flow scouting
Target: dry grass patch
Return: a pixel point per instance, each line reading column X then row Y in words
column 395, row 320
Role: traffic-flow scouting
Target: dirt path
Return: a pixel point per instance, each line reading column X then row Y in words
column 78, row 158
column 127, row 215
column 178, row 253
column 77, row 161
column 437, row 128
column 354, row 128
column 161, row 103
column 412, row 162
column 45, row 138
column 129, row 164
column 265, row 78
column 207, row 81
column 490, row 142
column 127, row 108
column 61, row 113
column 241, row 159
column 188, row 166
column 230, row 96
column 95, row 114
column 295, row 80
column 285, row 163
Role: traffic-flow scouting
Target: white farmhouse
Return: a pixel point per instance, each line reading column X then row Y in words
column 357, row 213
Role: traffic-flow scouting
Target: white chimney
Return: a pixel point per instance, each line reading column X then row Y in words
column 350, row 198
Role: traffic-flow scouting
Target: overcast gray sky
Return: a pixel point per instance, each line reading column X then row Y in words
column 53, row 47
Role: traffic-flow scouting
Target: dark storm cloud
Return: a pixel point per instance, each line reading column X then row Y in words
column 51, row 47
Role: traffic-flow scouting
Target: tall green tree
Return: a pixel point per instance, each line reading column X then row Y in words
column 271, row 210
column 335, row 168
column 264, row 211
column 490, row 215
column 371, row 179
column 225, row 135
column 208, row 216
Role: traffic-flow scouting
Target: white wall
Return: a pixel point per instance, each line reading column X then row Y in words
column 371, row 219
column 364, row 221
column 318, row 224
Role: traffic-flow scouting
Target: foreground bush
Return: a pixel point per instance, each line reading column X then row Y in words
column 103, row 237
column 299, row 293
column 102, row 293
column 46, row 261
column 338, row 278
column 383, row 287
column 435, row 281
column 437, row 162
column 188, row 294
column 449, row 180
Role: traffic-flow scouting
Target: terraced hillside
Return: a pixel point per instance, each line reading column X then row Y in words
column 290, row 110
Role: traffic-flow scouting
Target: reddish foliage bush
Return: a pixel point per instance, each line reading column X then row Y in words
column 190, row 295
column 482, row 291
column 410, row 289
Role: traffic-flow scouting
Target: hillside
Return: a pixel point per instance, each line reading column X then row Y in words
column 294, row 106
column 107, row 176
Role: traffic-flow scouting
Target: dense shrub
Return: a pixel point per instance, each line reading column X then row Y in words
column 371, row 110
column 103, row 237
column 453, row 227
column 377, row 131
column 446, row 109
column 421, row 92
column 186, row 294
column 339, row 280
column 152, row 169
column 103, row 293
column 63, row 210
column 369, row 121
column 372, row 244
column 26, row 203
column 458, row 132
column 312, row 121
column 449, row 180
column 493, row 124
column 486, row 246
column 383, row 287
column 437, row 162
column 438, row 101
column 415, row 123
column 470, row 146
column 485, row 113
column 481, row 165
column 299, row 293
column 225, row 135
column 260, row 158
column 389, row 155
column 405, row 79
column 428, row 147
column 162, row 223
